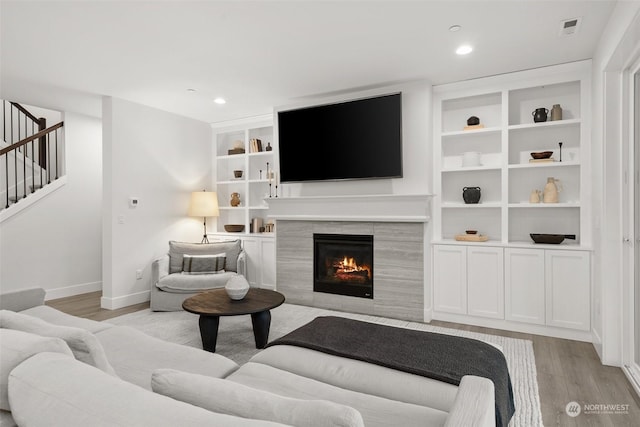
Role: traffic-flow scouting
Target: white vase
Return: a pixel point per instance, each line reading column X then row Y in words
column 237, row 287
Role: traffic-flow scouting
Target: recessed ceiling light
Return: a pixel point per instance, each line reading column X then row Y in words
column 220, row 101
column 455, row 28
column 464, row 49
column 191, row 90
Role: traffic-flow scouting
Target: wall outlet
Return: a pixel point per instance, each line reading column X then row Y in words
column 138, row 274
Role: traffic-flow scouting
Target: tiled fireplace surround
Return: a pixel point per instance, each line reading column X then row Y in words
column 399, row 228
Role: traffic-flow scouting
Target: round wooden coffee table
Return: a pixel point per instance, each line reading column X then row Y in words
column 210, row 305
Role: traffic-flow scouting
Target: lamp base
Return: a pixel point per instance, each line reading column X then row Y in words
column 205, row 239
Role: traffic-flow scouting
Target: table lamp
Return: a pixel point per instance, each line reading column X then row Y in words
column 204, row 204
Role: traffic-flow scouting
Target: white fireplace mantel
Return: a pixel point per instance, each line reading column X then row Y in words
column 375, row 208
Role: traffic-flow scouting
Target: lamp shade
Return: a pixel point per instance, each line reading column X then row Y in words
column 204, row 204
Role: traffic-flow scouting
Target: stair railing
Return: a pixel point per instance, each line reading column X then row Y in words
column 44, row 172
column 21, row 124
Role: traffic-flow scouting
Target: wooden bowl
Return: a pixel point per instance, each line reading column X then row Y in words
column 542, row 154
column 471, row 231
column 234, row 228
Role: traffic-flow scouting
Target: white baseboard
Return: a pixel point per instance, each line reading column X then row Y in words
column 69, row 291
column 549, row 331
column 428, row 315
column 125, row 300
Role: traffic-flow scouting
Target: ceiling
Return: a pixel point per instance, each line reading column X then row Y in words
column 261, row 54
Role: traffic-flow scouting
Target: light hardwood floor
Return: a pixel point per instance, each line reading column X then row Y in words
column 567, row 370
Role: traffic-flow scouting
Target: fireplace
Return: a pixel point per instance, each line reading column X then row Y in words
column 343, row 264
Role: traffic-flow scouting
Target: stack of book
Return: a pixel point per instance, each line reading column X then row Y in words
column 255, row 145
column 549, row 160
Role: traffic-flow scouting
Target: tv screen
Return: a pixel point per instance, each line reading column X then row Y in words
column 360, row 139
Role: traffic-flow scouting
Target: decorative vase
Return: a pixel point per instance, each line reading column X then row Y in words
column 237, row 287
column 535, row 196
column 540, row 114
column 551, row 190
column 556, row 112
column 269, row 147
column 471, row 195
column 235, row 199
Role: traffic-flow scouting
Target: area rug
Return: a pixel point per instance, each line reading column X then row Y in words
column 235, row 341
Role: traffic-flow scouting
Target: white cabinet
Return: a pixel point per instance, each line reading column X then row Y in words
column 468, row 280
column 524, row 285
column 548, row 287
column 568, row 289
column 261, row 261
column 512, row 286
column 450, row 279
column 485, row 278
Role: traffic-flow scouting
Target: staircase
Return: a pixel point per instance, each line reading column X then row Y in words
column 31, row 156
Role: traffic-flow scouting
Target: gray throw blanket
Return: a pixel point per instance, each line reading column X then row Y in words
column 442, row 357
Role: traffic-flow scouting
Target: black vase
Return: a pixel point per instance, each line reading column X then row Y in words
column 540, row 115
column 471, row 194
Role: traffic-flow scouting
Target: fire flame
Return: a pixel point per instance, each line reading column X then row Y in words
column 349, row 265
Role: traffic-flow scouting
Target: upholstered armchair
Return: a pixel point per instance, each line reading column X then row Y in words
column 190, row 268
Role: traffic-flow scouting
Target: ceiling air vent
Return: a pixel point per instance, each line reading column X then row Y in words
column 569, row 26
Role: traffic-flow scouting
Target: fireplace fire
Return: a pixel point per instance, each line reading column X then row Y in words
column 343, row 264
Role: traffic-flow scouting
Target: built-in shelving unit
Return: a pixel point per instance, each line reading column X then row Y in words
column 508, row 281
column 253, row 186
column 505, row 174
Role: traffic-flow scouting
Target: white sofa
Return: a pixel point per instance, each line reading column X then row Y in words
column 159, row 383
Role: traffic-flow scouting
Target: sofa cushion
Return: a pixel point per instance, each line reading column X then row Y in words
column 135, row 355
column 57, row 317
column 376, row 411
column 231, row 248
column 359, row 376
column 17, row 346
column 188, row 283
column 227, row 397
column 203, row 264
column 55, row 390
column 84, row 345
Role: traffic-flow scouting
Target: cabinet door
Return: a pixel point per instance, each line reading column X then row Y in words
column 252, row 248
column 450, row 279
column 268, row 264
column 524, row 285
column 568, row 289
column 485, row 282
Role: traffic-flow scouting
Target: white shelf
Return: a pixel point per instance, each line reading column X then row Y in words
column 565, row 245
column 545, row 205
column 471, row 132
column 544, row 165
column 472, row 168
column 483, row 205
column 556, row 123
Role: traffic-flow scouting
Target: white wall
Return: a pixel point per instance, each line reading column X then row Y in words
column 619, row 40
column 160, row 158
column 56, row 243
column 416, row 139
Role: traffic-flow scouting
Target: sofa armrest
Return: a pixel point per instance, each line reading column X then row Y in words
column 22, row 300
column 241, row 266
column 159, row 269
column 474, row 404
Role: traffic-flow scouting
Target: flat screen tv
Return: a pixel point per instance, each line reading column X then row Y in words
column 359, row 139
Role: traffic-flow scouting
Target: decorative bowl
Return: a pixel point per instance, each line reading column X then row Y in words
column 542, row 154
column 234, row 228
column 471, row 231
